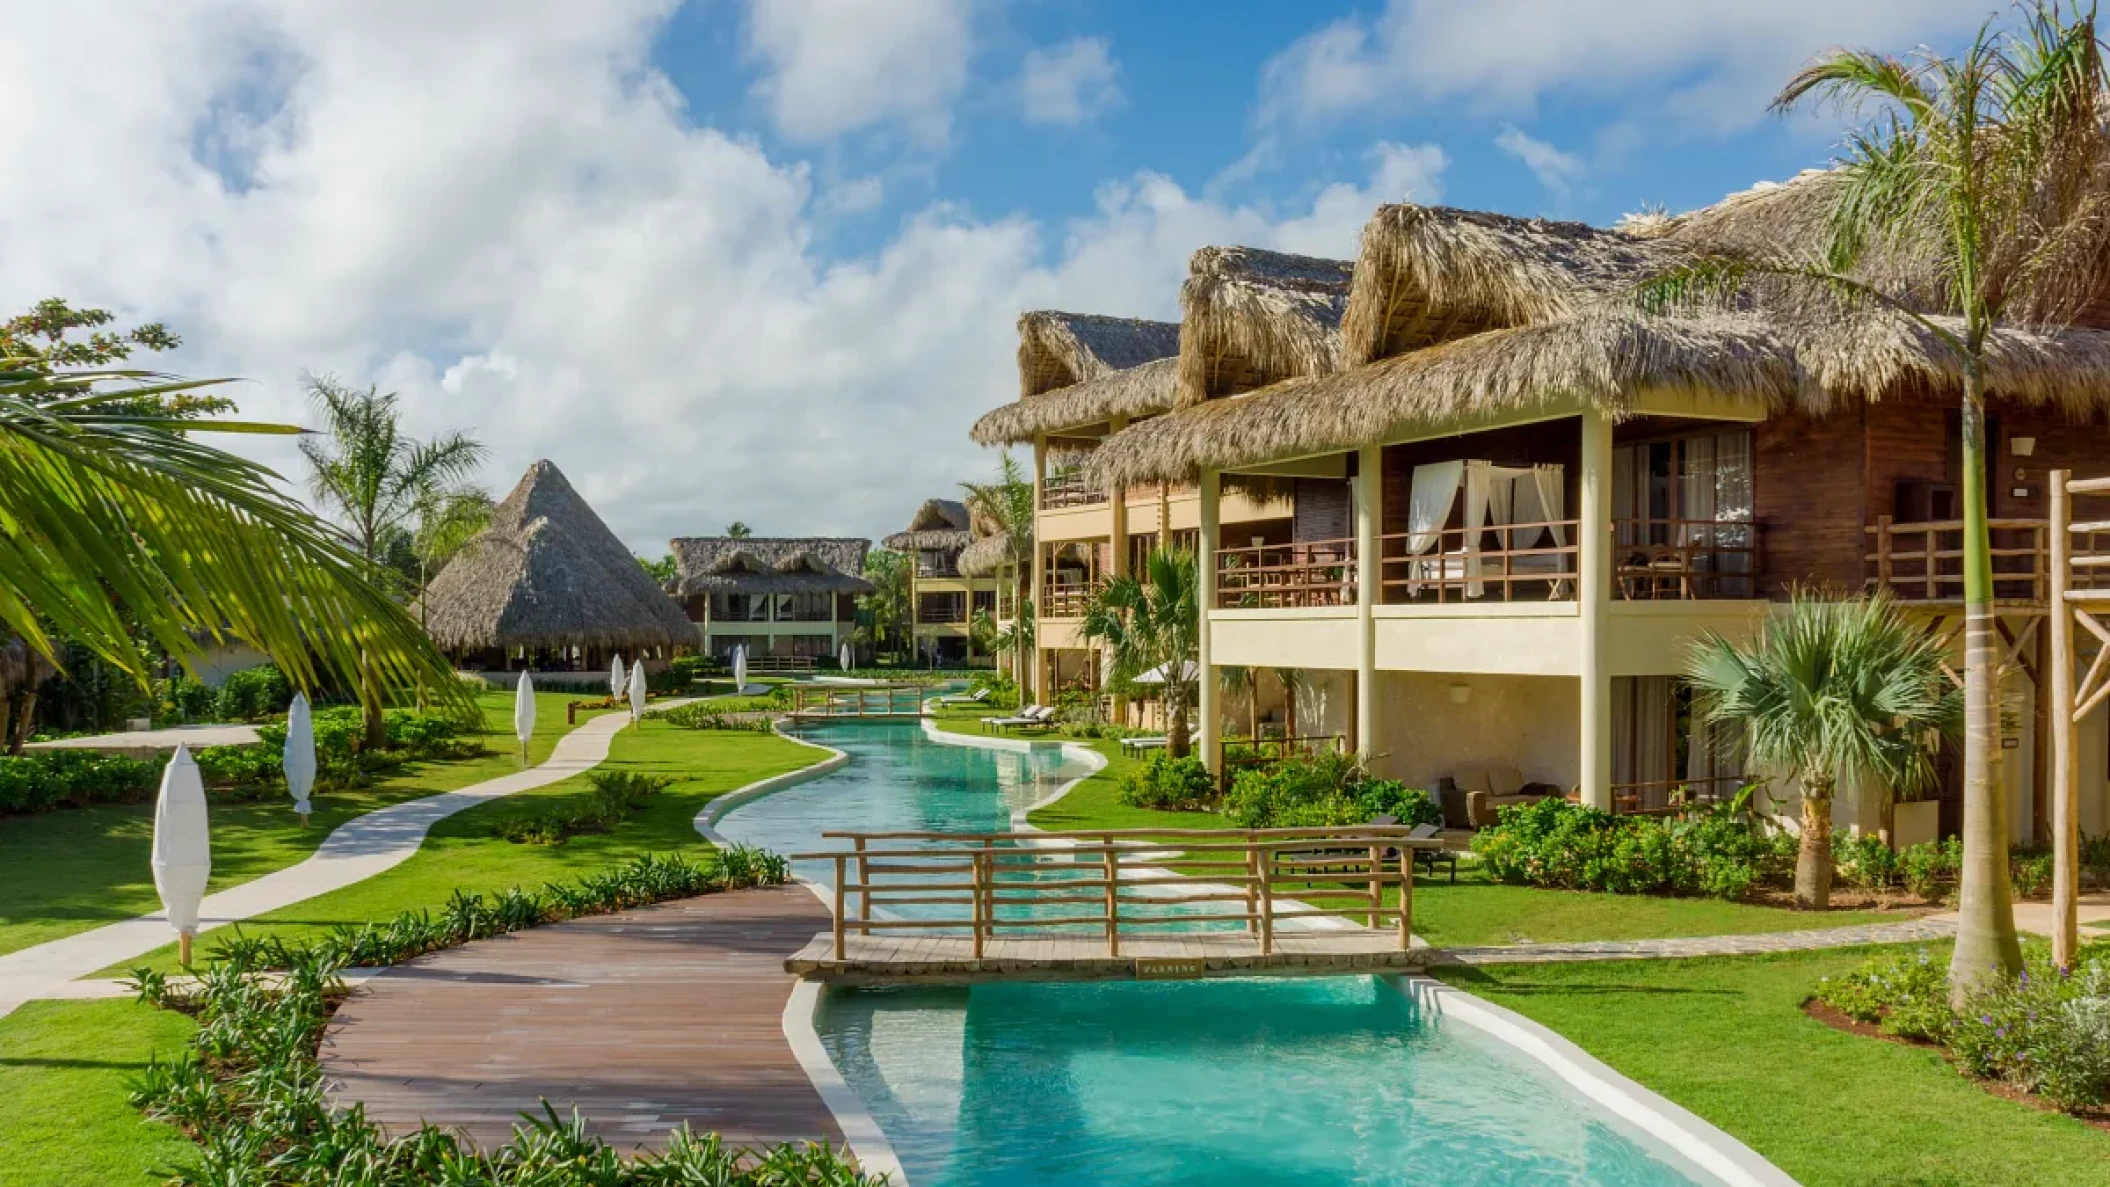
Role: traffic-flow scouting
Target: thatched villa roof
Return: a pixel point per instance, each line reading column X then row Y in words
column 754, row 564
column 941, row 524
column 1251, row 317
column 987, row 555
column 1057, row 349
column 1134, row 392
column 548, row 573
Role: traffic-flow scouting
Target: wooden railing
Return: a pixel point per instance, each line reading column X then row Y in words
column 780, row 663
column 1682, row 794
column 1684, row 559
column 1067, row 599
column 1923, row 562
column 849, row 700
column 1069, row 490
column 941, row 612
column 1283, row 576
column 1239, row 754
column 1122, row 880
column 1446, row 571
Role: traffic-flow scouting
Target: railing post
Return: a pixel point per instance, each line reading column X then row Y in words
column 839, row 878
column 1252, row 893
column 1406, row 897
column 864, row 893
column 1377, row 884
column 1113, row 905
column 1266, row 853
column 979, row 880
column 2065, row 780
column 1927, row 562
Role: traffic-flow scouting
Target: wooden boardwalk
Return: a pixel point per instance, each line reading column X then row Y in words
column 894, row 958
column 642, row 1020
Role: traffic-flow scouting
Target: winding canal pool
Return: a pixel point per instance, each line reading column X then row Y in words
column 1319, row 1081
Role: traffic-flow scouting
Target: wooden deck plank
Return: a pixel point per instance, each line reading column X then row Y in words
column 925, row 958
column 641, row 1020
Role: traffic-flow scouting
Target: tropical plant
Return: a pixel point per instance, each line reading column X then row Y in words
column 1831, row 691
column 662, row 570
column 379, row 479
column 884, row 613
column 1153, row 622
column 129, row 536
column 1988, row 176
column 446, row 521
column 1238, row 680
column 1006, row 505
column 738, row 530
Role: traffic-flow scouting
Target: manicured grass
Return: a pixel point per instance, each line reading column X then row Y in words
column 1474, row 911
column 460, row 852
column 64, row 1067
column 1727, row 1039
column 72, row 869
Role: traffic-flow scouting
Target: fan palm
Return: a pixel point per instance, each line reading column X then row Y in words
column 1830, row 692
column 1007, row 505
column 117, row 513
column 1987, row 177
column 1153, row 621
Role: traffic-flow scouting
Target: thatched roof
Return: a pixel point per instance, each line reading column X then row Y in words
column 1606, row 357
column 755, row 564
column 548, row 573
column 1428, row 274
column 940, row 524
column 987, row 555
column 1057, row 349
column 1250, row 318
column 1134, row 392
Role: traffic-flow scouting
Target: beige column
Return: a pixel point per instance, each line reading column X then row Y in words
column 1118, row 501
column 1037, row 686
column 1205, row 569
column 1593, row 595
column 1369, row 508
column 2065, row 772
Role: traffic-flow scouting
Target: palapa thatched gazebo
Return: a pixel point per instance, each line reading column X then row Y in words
column 548, row 585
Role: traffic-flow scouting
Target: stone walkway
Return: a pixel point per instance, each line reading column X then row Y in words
column 359, row 849
column 1757, row 944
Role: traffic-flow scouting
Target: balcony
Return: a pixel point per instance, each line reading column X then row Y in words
column 1061, row 491
column 1067, row 598
column 1923, row 562
column 1286, row 576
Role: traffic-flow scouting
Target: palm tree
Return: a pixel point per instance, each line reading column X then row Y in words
column 886, row 609
column 1991, row 169
column 378, row 478
column 737, row 530
column 126, row 532
column 1153, row 622
column 1831, row 691
column 446, row 521
column 1007, row 505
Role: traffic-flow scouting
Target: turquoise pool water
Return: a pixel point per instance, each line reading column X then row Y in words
column 1170, row 1084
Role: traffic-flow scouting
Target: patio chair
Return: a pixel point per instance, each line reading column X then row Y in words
column 1140, row 745
column 1031, row 717
column 1429, row 857
column 976, row 697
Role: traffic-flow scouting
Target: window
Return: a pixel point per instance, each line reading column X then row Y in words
column 1692, row 494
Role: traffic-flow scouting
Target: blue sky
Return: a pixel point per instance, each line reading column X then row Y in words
column 761, row 259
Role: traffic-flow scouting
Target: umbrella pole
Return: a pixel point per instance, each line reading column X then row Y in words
column 183, row 948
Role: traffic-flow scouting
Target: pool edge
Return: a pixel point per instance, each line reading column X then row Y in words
column 1692, row 1137
column 861, row 1133
column 1094, row 761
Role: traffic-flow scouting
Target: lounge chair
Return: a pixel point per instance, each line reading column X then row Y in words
column 965, row 698
column 1031, row 717
column 1429, row 857
column 1140, row 745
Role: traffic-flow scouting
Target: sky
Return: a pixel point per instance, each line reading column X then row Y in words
column 760, row 260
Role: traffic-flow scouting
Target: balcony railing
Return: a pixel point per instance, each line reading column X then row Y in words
column 1286, row 576
column 1067, row 599
column 941, row 612
column 1453, row 564
column 1684, row 559
column 1923, row 562
column 1069, row 490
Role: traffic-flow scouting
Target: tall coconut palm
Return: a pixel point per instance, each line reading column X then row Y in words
column 1984, row 180
column 1007, row 506
column 1153, row 621
column 378, row 478
column 1830, row 692
column 120, row 516
column 738, row 530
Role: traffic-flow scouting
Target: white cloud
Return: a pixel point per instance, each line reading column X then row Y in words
column 1556, row 170
column 1069, row 84
column 1723, row 60
column 509, row 218
column 837, row 66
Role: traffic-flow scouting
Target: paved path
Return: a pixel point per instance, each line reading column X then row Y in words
column 642, row 1020
column 156, row 741
column 2034, row 916
column 1904, row 932
column 357, row 850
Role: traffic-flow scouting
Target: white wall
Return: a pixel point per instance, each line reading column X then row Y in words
column 1528, row 722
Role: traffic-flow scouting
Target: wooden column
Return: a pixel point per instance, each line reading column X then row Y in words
column 1369, row 507
column 1037, row 691
column 1117, row 499
column 1594, row 611
column 1207, row 708
column 2065, row 773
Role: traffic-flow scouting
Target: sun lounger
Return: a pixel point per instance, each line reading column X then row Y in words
column 1140, row 745
column 965, row 698
column 1032, row 717
column 1430, row 857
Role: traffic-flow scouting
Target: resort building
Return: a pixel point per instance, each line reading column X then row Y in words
column 548, row 588
column 1248, row 318
column 1513, row 500
column 788, row 601
column 943, row 599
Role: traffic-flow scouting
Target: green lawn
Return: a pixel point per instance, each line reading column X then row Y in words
column 1727, row 1039
column 72, row 869
column 63, row 1073
column 1475, row 910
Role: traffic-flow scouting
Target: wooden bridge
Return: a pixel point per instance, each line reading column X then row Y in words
column 1116, row 904
column 828, row 701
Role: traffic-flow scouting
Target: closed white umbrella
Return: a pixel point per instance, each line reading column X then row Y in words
column 524, row 712
column 740, row 668
column 846, row 657
column 182, row 845
column 1189, row 670
column 299, row 760
column 616, row 680
column 637, row 693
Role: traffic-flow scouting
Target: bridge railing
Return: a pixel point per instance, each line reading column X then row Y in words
column 1120, row 882
column 857, row 700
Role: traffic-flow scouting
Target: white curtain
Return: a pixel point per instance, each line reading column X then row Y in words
column 1624, row 495
column 1696, row 501
column 1488, row 493
column 1654, row 719
column 1433, row 494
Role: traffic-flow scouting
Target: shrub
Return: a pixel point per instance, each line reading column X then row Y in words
column 1927, row 866
column 184, row 700
column 615, row 795
column 2046, row 1032
column 1556, row 844
column 1002, row 689
column 1863, row 860
column 726, row 713
column 1168, row 783
column 2031, row 873
column 73, row 778
column 252, row 694
column 1907, row 996
column 1322, row 791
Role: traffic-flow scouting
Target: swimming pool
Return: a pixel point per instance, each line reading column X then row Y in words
column 1166, row 1084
